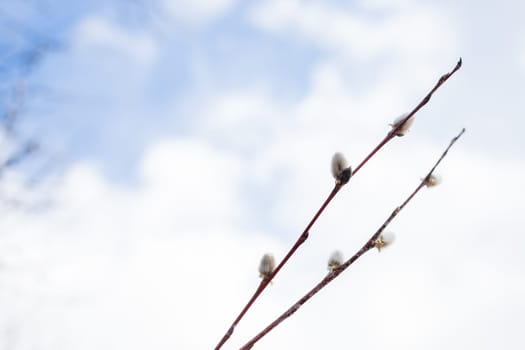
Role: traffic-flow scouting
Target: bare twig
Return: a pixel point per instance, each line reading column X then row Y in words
column 337, row 271
column 27, row 149
column 399, row 125
column 304, row 235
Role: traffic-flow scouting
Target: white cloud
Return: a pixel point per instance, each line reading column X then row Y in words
column 406, row 31
column 96, row 32
column 196, row 12
column 521, row 54
column 186, row 181
column 163, row 262
column 240, row 119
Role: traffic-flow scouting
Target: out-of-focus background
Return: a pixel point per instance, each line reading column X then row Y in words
column 152, row 151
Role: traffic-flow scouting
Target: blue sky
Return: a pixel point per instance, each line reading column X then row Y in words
column 188, row 138
column 83, row 83
column 91, row 93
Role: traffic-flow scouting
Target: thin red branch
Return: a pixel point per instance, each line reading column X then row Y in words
column 399, row 125
column 304, row 235
column 367, row 246
column 264, row 282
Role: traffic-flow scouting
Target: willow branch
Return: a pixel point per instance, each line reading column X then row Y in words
column 304, row 235
column 420, row 105
column 337, row 271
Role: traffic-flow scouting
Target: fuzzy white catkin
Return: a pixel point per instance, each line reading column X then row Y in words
column 339, row 164
column 267, row 265
column 406, row 125
column 387, row 238
column 384, row 240
column 335, row 260
column 432, row 180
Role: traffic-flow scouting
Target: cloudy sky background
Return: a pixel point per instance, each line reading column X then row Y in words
column 188, row 138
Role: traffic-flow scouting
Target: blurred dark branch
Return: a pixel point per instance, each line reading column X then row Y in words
column 27, row 149
column 24, row 49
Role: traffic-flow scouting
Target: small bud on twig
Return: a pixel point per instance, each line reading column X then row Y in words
column 340, row 169
column 266, row 266
column 335, row 260
column 384, row 240
column 432, row 180
column 403, row 129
